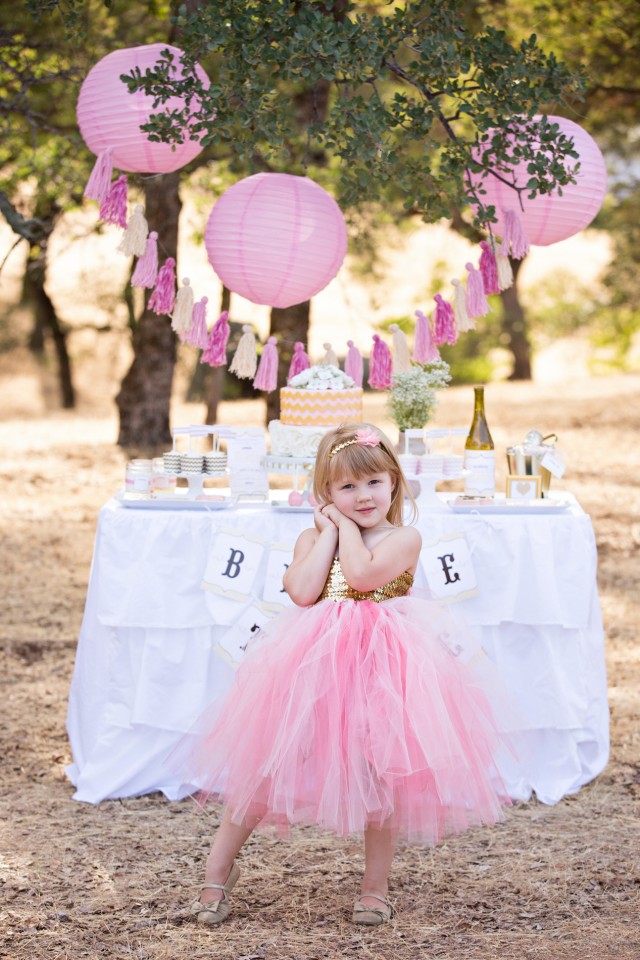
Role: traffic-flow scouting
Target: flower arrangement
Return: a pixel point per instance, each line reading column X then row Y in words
column 323, row 376
column 412, row 395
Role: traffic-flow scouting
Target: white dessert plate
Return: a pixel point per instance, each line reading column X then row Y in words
column 546, row 505
column 173, row 501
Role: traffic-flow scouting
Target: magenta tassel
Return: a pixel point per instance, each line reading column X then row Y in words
column 380, row 365
column 353, row 366
column 99, row 183
column 476, row 302
column 164, row 294
column 514, row 239
column 424, row 349
column 215, row 353
column 197, row 335
column 146, row 270
column 299, row 361
column 488, row 269
column 267, row 376
column 444, row 323
column 114, row 206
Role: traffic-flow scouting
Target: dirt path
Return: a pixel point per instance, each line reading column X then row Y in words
column 113, row 880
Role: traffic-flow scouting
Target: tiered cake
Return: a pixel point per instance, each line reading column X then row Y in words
column 314, row 401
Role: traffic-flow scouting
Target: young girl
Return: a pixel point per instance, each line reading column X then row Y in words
column 350, row 711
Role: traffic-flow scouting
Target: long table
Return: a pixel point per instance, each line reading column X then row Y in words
column 159, row 637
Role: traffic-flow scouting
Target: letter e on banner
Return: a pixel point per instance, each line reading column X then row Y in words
column 448, row 568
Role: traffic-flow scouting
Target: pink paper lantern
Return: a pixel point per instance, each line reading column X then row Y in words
column 276, row 239
column 109, row 116
column 549, row 218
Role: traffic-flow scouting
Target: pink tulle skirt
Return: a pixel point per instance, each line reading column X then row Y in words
column 353, row 714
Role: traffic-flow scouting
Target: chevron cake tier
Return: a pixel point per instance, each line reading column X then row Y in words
column 322, row 396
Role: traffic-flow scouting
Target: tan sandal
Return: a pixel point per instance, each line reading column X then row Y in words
column 217, row 910
column 372, row 916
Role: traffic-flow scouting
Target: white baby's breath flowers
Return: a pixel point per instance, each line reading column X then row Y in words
column 412, row 397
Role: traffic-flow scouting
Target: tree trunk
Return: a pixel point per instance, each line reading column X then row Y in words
column 514, row 324
column 144, row 399
column 288, row 324
column 46, row 319
column 214, row 376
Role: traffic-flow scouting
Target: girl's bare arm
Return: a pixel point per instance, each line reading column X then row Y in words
column 312, row 558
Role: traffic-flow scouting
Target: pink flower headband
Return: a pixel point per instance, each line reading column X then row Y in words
column 366, row 437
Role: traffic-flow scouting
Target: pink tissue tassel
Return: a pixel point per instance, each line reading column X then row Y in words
column 267, row 376
column 146, row 270
column 114, row 206
column 514, row 238
column 380, row 365
column 463, row 320
column 197, row 335
column 353, row 366
column 99, row 183
column 215, row 353
column 299, row 361
column 488, row 269
column 424, row 349
column 164, row 293
column 444, row 322
column 476, row 302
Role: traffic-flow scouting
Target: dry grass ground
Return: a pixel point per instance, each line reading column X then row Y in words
column 113, row 880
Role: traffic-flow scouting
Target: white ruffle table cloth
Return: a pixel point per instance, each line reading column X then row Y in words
column 153, row 647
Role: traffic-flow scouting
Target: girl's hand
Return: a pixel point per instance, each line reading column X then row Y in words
column 330, row 511
column 321, row 520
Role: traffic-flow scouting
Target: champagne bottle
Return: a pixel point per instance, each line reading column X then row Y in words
column 479, row 455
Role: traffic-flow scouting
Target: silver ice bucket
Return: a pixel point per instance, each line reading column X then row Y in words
column 524, row 459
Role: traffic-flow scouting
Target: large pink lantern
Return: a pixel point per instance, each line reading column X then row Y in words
column 548, row 218
column 276, row 239
column 110, row 117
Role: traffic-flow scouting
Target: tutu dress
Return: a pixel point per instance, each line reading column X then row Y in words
column 349, row 713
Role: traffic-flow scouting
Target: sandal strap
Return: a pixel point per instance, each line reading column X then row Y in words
column 214, row 886
column 374, row 896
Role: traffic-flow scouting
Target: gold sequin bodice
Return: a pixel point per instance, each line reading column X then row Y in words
column 336, row 588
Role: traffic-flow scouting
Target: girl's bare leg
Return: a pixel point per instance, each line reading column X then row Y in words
column 379, row 848
column 228, row 841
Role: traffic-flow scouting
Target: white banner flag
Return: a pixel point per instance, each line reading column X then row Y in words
column 448, row 568
column 233, row 564
column 238, row 637
column 279, row 559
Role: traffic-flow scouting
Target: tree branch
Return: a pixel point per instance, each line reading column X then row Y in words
column 32, row 230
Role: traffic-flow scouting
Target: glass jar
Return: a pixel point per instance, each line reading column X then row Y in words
column 137, row 477
column 160, row 479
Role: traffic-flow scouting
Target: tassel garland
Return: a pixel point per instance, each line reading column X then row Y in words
column 476, row 302
column 267, row 376
column 380, row 365
column 424, row 349
column 114, row 205
column 245, row 360
column 505, row 273
column 134, row 239
column 401, row 362
column 514, row 239
column 444, row 322
column 488, row 269
column 181, row 318
column 164, row 293
column 299, row 361
column 197, row 335
column 99, row 183
column 353, row 366
column 463, row 320
column 329, row 355
column 146, row 270
column 215, row 353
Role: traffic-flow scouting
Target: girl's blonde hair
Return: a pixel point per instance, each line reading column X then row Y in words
column 359, row 460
